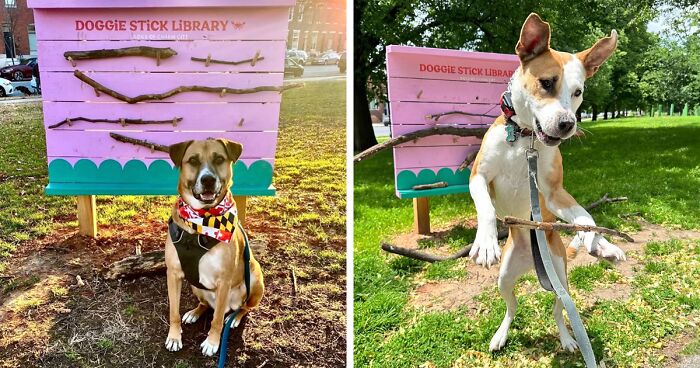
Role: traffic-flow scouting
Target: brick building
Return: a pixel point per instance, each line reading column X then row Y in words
column 17, row 22
column 317, row 25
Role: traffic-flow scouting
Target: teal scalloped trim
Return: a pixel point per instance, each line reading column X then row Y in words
column 457, row 182
column 135, row 178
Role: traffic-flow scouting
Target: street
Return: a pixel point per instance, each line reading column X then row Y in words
column 381, row 131
column 317, row 73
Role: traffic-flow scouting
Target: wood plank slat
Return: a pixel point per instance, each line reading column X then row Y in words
column 273, row 52
column 99, row 144
column 195, row 116
column 64, row 86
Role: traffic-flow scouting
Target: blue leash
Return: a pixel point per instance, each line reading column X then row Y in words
column 228, row 323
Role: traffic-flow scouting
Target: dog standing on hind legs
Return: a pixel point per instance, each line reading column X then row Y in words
column 206, row 243
column 546, row 91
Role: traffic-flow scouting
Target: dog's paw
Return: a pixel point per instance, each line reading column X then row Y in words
column 485, row 250
column 209, row 348
column 190, row 316
column 602, row 248
column 568, row 343
column 498, row 340
column 173, row 343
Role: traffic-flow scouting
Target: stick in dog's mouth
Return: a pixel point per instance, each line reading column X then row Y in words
column 544, row 138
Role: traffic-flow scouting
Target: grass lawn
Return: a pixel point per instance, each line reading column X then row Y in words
column 47, row 320
column 654, row 162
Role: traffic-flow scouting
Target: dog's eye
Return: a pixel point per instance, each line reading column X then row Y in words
column 218, row 160
column 194, row 161
column 578, row 93
column 547, row 84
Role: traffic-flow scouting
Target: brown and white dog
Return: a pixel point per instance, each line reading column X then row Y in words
column 546, row 90
column 205, row 178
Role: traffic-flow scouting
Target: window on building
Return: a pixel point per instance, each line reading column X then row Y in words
column 314, row 40
column 319, row 14
column 301, row 12
column 31, row 32
column 295, row 39
column 10, row 3
column 291, row 13
column 305, row 46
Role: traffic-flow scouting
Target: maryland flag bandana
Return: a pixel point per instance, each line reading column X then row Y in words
column 217, row 222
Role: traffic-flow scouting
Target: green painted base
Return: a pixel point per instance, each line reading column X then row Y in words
column 457, row 182
column 134, row 178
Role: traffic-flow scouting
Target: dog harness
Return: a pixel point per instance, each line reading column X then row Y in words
column 212, row 226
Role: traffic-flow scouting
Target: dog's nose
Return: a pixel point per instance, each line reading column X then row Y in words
column 565, row 126
column 208, row 181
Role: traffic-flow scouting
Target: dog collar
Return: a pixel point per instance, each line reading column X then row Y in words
column 513, row 130
column 218, row 222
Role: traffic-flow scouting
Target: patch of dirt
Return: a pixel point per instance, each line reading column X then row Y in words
column 450, row 294
column 47, row 320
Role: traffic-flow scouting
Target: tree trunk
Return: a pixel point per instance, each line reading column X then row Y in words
column 594, row 109
column 605, row 114
column 363, row 133
column 578, row 115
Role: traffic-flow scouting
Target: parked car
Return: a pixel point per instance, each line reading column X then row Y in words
column 343, row 62
column 6, row 87
column 293, row 68
column 19, row 72
column 299, row 56
column 329, row 57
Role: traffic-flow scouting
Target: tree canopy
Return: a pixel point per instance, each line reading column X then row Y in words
column 646, row 70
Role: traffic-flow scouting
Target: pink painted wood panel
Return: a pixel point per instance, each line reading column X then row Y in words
column 146, row 161
column 153, row 3
column 406, row 114
column 435, row 157
column 425, row 90
column 428, row 63
column 441, row 140
column 195, row 116
column 245, row 23
column 417, row 170
column 64, row 86
column 100, row 144
column 272, row 52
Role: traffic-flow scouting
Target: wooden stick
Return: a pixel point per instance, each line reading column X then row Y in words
column 144, row 264
column 209, row 60
column 293, row 279
column 438, row 130
column 467, row 161
column 139, row 142
column 436, row 117
column 440, row 184
column 558, row 226
column 161, row 96
column 605, row 199
column 122, row 121
column 146, row 51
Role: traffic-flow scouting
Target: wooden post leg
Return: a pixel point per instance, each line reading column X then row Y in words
column 421, row 216
column 87, row 215
column 240, row 205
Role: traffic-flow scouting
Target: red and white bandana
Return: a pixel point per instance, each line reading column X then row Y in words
column 218, row 222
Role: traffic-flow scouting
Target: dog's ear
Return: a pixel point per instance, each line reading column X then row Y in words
column 233, row 149
column 594, row 57
column 177, row 151
column 534, row 38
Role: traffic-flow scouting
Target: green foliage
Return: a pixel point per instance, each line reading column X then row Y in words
column 654, row 162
